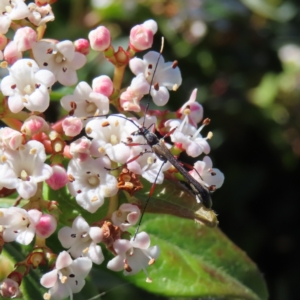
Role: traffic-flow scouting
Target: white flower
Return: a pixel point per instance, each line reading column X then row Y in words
column 24, row 168
column 148, row 165
column 209, row 176
column 91, row 182
column 87, row 102
column 167, row 76
column 40, row 15
column 60, row 58
column 11, row 10
column 19, row 225
column 192, row 109
column 82, row 240
column 188, row 137
column 27, row 86
column 126, row 216
column 130, row 99
column 134, row 255
column 68, row 276
column 110, row 133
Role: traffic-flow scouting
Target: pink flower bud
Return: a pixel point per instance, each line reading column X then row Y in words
column 34, row 125
column 82, row 46
column 81, row 145
column 72, row 126
column 141, row 36
column 3, row 41
column 11, row 53
column 46, row 226
column 100, row 38
column 25, row 37
column 11, row 138
column 103, row 85
column 59, row 178
column 10, row 289
column 151, row 24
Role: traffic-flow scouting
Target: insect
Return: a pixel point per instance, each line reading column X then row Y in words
column 163, row 153
column 158, row 147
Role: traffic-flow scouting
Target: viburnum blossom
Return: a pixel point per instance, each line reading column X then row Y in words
column 192, row 109
column 90, row 182
column 27, row 86
column 147, row 165
column 45, row 165
column 86, row 101
column 188, row 137
column 39, row 15
column 111, row 134
column 60, row 58
column 126, row 216
column 100, row 38
column 167, row 75
column 59, row 177
column 130, row 99
column 72, row 126
column 11, row 10
column 134, row 255
column 19, row 225
column 46, row 226
column 25, row 38
column 34, row 124
column 68, row 276
column 24, row 168
column 82, row 240
column 205, row 173
column 141, row 36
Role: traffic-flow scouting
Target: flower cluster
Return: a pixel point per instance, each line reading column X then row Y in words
column 94, row 168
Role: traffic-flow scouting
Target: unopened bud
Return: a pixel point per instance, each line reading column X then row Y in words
column 11, row 138
column 141, row 38
column 9, row 289
column 11, row 53
column 72, row 126
column 25, row 38
column 33, row 125
column 103, row 85
column 59, row 178
column 82, row 46
column 46, row 226
column 100, row 38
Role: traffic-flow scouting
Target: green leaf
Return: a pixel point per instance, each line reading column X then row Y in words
column 197, row 261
